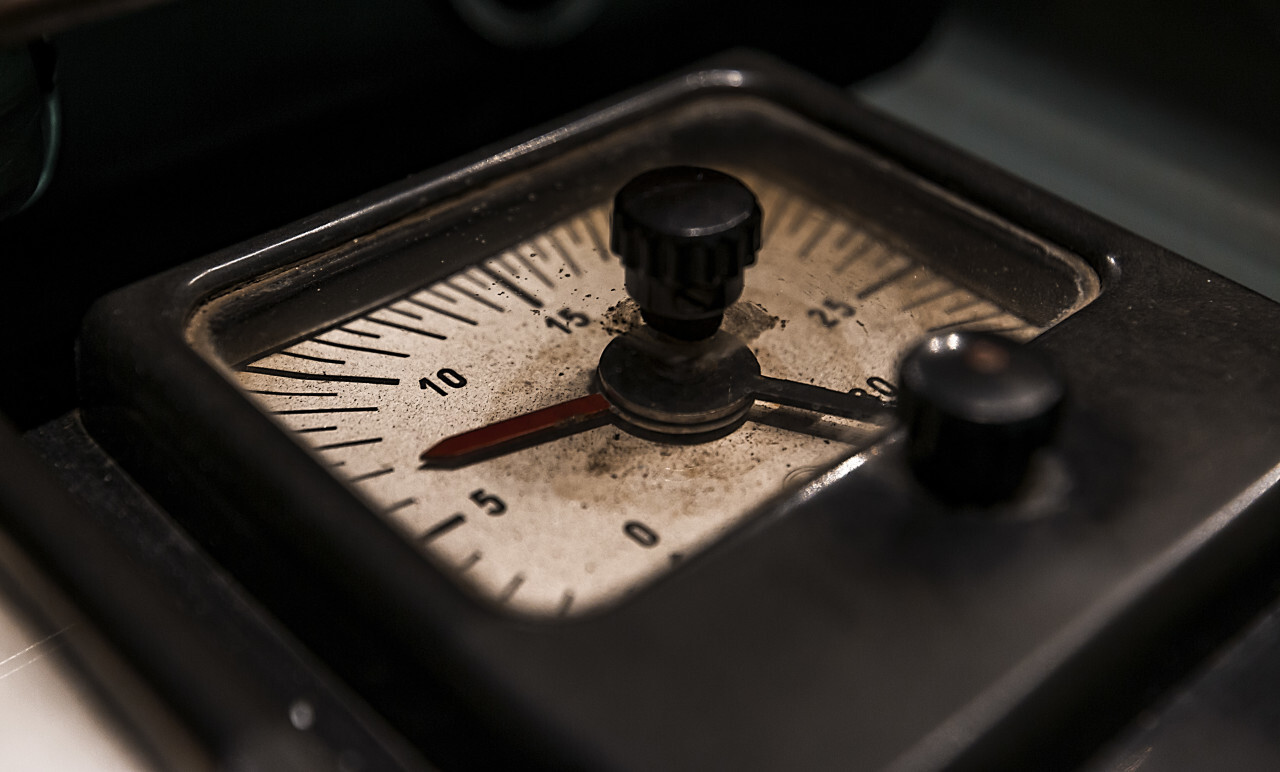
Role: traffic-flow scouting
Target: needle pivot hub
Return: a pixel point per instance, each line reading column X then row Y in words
column 682, row 388
column 685, row 235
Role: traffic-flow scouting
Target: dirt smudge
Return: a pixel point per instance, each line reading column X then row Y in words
column 621, row 317
column 745, row 319
column 749, row 320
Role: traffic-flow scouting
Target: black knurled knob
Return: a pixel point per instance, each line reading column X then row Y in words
column 685, row 235
column 977, row 407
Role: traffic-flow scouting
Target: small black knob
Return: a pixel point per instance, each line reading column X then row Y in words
column 685, row 235
column 977, row 407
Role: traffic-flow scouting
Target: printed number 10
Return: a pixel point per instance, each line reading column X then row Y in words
column 448, row 376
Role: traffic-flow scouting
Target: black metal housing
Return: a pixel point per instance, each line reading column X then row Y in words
column 862, row 626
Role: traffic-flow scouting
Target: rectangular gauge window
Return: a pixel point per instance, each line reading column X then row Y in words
column 494, row 303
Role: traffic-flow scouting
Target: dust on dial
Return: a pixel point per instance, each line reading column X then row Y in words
column 576, row 522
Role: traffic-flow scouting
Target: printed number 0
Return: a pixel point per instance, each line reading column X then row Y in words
column 640, row 533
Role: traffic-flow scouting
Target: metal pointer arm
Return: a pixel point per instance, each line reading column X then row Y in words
column 859, row 407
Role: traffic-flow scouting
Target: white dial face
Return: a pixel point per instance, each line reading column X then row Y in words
column 580, row 521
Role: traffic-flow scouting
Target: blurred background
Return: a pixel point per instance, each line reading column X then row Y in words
column 136, row 135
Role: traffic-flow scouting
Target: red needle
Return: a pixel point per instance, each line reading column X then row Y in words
column 566, row 415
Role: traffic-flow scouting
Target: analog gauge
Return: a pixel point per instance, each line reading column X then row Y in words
column 469, row 411
column 550, row 452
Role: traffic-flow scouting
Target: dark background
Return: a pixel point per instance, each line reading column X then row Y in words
column 189, row 126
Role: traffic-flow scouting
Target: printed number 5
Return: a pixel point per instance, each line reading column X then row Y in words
column 492, row 505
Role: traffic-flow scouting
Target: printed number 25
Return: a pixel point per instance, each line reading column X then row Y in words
column 831, row 313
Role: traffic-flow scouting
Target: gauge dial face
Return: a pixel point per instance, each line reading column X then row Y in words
column 578, row 522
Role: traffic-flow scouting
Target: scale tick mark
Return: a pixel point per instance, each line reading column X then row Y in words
column 309, row 411
column 469, row 561
column 819, row 232
column 443, row 527
column 508, row 285
column 533, row 269
column 407, row 328
column 478, row 298
column 864, row 246
column 310, row 358
column 371, row 475
column 320, row 376
column 566, row 601
column 358, row 333
column 595, row 239
column 443, row 312
column 510, row 588
column 559, row 249
column 365, row 349
column 892, row 278
column 349, row 443
column 398, row 506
